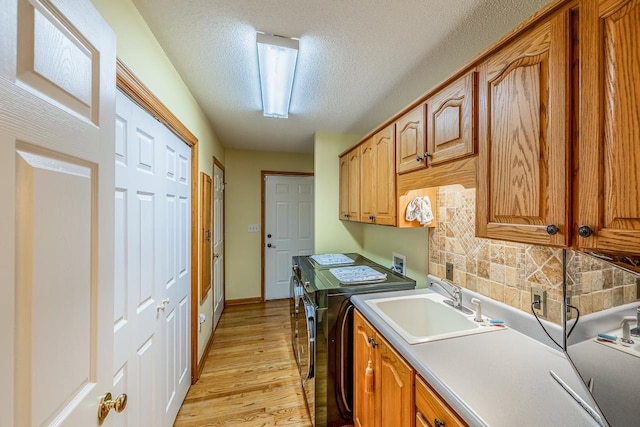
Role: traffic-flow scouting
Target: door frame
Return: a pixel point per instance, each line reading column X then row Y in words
column 263, row 197
column 131, row 86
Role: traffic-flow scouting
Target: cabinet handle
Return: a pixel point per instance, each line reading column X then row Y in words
column 585, row 231
column 427, row 154
column 438, row 422
column 419, row 159
column 552, row 229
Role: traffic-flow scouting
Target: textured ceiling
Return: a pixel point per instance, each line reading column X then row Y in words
column 360, row 61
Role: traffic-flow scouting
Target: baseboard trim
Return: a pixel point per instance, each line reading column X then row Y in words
column 242, row 301
column 205, row 355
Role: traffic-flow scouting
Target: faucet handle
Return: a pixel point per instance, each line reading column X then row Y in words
column 478, row 304
column 626, row 333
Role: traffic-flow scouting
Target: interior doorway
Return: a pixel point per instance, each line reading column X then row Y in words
column 287, row 228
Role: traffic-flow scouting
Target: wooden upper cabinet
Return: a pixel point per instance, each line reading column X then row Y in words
column 367, row 181
column 378, row 178
column 344, row 187
column 410, row 141
column 451, row 115
column 385, row 177
column 523, row 164
column 354, row 184
column 608, row 163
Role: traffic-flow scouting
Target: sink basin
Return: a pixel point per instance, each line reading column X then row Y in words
column 426, row 317
column 632, row 349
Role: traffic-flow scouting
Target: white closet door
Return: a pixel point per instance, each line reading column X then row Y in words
column 57, row 96
column 151, row 329
column 218, row 244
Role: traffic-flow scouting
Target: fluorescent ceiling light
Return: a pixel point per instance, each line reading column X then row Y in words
column 277, row 62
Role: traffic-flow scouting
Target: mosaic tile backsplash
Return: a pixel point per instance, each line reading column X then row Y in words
column 506, row 271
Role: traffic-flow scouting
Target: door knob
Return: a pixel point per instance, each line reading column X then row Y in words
column 107, row 404
column 269, row 236
column 269, row 245
column 585, row 231
column 552, row 229
column 164, row 304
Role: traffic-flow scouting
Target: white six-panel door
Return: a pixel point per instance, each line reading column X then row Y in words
column 57, row 96
column 288, row 229
column 152, row 253
column 218, row 244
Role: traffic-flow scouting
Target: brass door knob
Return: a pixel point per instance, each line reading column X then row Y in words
column 107, row 404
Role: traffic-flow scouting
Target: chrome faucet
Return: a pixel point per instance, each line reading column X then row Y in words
column 455, row 294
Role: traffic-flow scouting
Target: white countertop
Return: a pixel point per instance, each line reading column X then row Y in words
column 498, row 378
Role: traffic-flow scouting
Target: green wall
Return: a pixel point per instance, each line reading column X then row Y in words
column 139, row 50
column 243, row 206
column 377, row 242
column 331, row 234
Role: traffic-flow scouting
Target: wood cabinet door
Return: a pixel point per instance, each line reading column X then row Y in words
column 523, row 173
column 451, row 115
column 430, row 408
column 367, row 181
column 354, row 184
column 344, row 187
column 394, row 386
column 364, row 402
column 410, row 141
column 385, row 177
column 609, row 126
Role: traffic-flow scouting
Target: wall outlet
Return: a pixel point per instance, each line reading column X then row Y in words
column 449, row 271
column 399, row 263
column 539, row 298
column 253, row 228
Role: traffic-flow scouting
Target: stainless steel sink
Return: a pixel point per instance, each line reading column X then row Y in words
column 425, row 317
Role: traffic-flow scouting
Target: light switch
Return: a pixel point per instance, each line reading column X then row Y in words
column 254, row 228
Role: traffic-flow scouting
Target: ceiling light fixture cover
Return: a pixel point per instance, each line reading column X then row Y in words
column 277, row 58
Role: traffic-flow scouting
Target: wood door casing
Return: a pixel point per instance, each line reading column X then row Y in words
column 410, row 140
column 451, row 118
column 523, row 178
column 206, row 232
column 608, row 199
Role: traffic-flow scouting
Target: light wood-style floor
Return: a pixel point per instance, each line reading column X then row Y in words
column 250, row 377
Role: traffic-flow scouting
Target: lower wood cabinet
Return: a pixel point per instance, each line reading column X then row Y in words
column 431, row 411
column 384, row 397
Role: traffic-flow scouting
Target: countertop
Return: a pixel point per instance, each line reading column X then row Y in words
column 498, row 378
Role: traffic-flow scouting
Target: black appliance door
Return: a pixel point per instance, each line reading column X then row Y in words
column 306, row 337
column 294, row 300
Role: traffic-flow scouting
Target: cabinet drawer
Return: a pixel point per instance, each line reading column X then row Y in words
column 430, row 407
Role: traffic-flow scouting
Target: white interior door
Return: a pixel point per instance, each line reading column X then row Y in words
column 57, row 96
column 218, row 244
column 288, row 229
column 151, row 312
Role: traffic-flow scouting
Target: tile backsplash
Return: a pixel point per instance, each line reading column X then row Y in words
column 506, row 271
